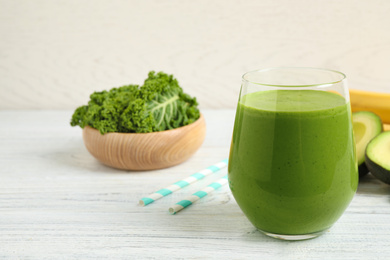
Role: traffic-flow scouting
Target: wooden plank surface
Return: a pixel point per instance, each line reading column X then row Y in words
column 57, row 202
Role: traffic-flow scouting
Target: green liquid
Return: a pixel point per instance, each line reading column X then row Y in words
column 292, row 166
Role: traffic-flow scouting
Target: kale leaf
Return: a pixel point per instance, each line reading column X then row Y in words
column 159, row 104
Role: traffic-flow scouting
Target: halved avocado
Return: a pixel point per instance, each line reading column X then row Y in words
column 378, row 157
column 366, row 125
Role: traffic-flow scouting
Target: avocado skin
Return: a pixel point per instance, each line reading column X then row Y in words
column 378, row 171
column 363, row 170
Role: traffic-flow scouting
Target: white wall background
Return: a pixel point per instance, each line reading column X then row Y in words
column 53, row 54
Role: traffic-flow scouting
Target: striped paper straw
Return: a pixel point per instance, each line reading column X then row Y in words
column 183, row 183
column 198, row 195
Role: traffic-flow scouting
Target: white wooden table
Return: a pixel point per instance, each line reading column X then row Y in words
column 58, row 202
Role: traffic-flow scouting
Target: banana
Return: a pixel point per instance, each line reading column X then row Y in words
column 379, row 103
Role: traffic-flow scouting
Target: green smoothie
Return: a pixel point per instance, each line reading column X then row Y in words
column 292, row 167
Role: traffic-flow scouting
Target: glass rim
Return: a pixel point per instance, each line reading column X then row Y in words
column 295, row 86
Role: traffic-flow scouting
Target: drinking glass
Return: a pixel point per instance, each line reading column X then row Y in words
column 292, row 164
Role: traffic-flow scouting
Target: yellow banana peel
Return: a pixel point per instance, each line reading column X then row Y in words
column 379, row 103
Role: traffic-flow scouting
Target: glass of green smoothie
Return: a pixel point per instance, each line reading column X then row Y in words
column 292, row 164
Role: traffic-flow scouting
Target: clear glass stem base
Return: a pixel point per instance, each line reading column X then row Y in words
column 294, row 237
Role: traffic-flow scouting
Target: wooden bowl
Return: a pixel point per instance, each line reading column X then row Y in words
column 145, row 151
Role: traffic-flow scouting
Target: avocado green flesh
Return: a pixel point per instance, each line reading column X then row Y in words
column 361, row 139
column 378, row 150
column 366, row 125
column 378, row 157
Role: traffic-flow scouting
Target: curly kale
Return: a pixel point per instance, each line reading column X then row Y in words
column 159, row 104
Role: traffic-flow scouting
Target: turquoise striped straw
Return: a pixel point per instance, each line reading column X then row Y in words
column 183, row 183
column 198, row 195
